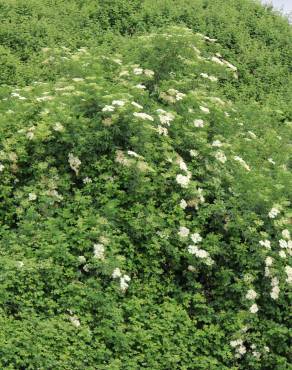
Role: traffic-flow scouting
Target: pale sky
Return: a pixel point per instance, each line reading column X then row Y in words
column 285, row 5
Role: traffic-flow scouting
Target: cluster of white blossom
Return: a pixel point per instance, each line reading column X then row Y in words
column 18, row 96
column 265, row 243
column 87, row 180
column 139, row 71
column 75, row 321
column 275, row 288
column 200, row 253
column 217, row 58
column 165, row 117
column 32, row 196
column 143, row 116
column 268, row 263
column 134, row 154
column 288, row 270
column 242, row 162
column 122, row 159
column 254, row 308
column 172, row 96
column 44, row 98
column 114, row 104
column 183, row 180
column 194, row 249
column 198, row 123
column 136, row 105
column 124, row 279
column 220, row 156
column 211, row 78
column 140, row 86
column 118, row 103
column 58, row 127
column 217, row 143
column 286, row 244
column 162, row 130
column 98, row 250
column 183, row 232
column 30, row 133
column 255, row 353
column 240, row 348
column 74, row 163
column 251, row 294
column 204, row 109
column 183, row 204
column 274, row 212
column 81, row 259
column 194, row 153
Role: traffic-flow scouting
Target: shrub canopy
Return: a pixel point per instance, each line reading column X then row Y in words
column 145, row 185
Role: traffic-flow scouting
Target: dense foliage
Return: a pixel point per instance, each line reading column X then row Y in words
column 145, row 185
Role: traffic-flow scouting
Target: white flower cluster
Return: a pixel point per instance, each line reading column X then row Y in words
column 183, row 204
column 122, row 159
column 265, row 243
column 75, row 321
column 165, row 117
column 30, row 133
column 211, row 78
column 18, row 96
column 114, row 104
column 200, row 253
column 288, row 270
column 140, row 86
column 139, row 71
column 178, row 95
column 87, row 180
column 198, row 123
column 32, row 196
column 137, row 105
column 108, row 108
column 286, row 234
column 162, row 130
column 251, row 294
column 285, row 244
column 219, row 60
column 207, row 38
column 143, row 116
column 274, row 212
column 204, row 109
column 242, row 162
column 172, row 96
column 1, row 167
column 275, row 288
column 183, row 180
column 194, row 249
column 217, row 143
column 58, row 127
column 220, row 156
column 183, row 232
column 194, row 153
column 98, row 250
column 74, row 163
column 124, row 279
column 268, row 263
column 240, row 348
column 118, row 103
column 134, row 154
column 254, row 308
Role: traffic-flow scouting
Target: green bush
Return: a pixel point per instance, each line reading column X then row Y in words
column 145, row 213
